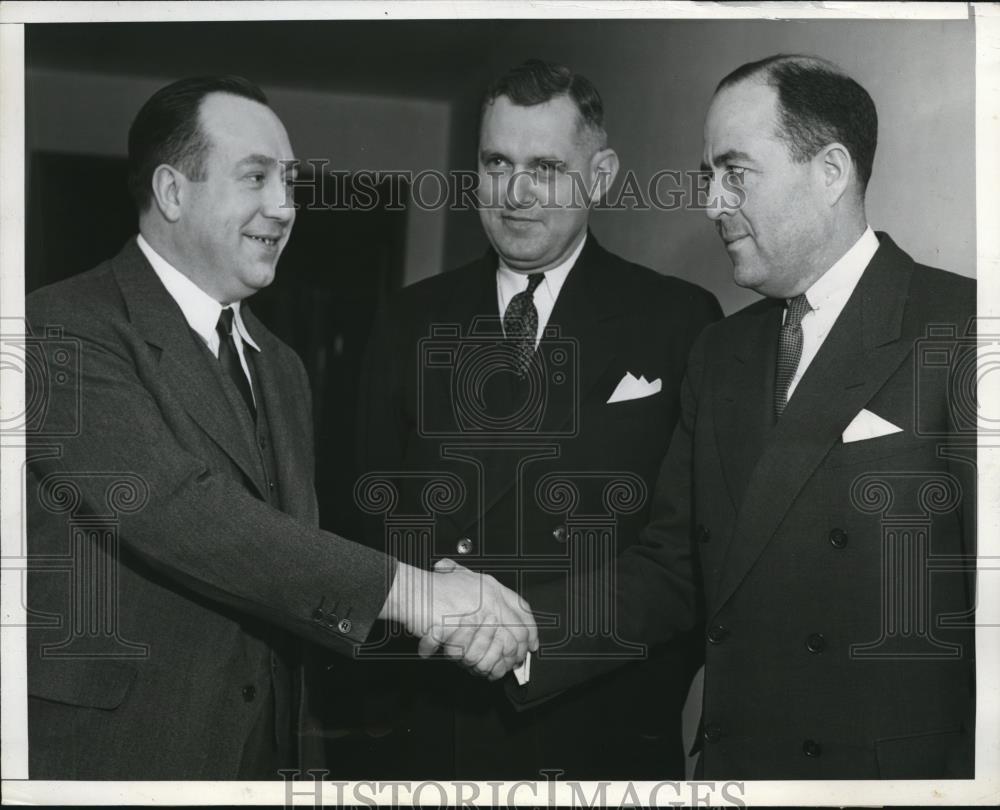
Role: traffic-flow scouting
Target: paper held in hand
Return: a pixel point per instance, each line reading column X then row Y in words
column 523, row 672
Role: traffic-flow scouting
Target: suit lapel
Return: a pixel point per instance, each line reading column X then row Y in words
column 160, row 322
column 585, row 313
column 287, row 419
column 471, row 307
column 862, row 350
column 744, row 414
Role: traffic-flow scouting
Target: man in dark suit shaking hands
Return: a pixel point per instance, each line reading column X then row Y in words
column 822, row 469
column 540, row 384
column 184, row 488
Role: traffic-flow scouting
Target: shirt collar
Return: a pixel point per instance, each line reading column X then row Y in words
column 837, row 283
column 201, row 311
column 512, row 282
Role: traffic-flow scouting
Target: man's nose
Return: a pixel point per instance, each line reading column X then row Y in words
column 720, row 199
column 521, row 191
column 279, row 202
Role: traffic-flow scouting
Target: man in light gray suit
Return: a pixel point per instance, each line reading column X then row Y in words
column 184, row 491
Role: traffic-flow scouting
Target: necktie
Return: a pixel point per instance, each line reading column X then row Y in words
column 789, row 350
column 230, row 358
column 520, row 324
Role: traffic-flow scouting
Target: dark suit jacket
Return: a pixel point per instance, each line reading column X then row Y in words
column 528, row 500
column 142, row 482
column 831, row 650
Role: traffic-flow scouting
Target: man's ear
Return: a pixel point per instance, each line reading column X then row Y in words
column 603, row 170
column 169, row 187
column 836, row 170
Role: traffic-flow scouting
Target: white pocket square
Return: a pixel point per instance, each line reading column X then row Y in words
column 631, row 388
column 868, row 425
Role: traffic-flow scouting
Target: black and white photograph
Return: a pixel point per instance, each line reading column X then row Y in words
column 579, row 404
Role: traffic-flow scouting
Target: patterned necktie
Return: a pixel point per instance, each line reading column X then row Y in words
column 230, row 358
column 789, row 350
column 520, row 324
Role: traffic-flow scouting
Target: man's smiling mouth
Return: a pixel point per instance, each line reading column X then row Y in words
column 269, row 241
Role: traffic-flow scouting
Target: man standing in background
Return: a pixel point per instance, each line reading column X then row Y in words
column 825, row 460
column 538, row 387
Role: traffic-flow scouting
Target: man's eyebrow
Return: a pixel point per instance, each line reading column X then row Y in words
column 256, row 160
column 727, row 157
column 532, row 161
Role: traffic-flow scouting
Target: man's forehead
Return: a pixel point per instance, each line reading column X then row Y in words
column 738, row 117
column 244, row 126
column 553, row 123
column 747, row 103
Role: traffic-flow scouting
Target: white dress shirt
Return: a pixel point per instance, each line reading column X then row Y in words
column 201, row 311
column 827, row 297
column 510, row 283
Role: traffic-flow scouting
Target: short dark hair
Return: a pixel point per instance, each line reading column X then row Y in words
column 535, row 82
column 168, row 130
column 818, row 105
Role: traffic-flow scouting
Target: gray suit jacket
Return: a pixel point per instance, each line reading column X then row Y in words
column 159, row 571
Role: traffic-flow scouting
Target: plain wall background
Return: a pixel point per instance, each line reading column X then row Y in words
column 405, row 95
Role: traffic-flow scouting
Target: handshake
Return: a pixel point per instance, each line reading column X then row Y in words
column 475, row 619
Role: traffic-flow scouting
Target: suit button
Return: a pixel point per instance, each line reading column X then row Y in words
column 718, row 634
column 704, row 535
column 319, row 615
column 838, row 538
column 249, row 693
column 271, row 485
column 816, row 643
column 559, row 533
column 712, row 732
column 262, row 441
column 811, row 748
column 464, row 546
column 344, row 626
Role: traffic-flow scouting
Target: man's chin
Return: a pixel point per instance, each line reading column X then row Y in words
column 519, row 254
column 258, row 278
column 747, row 276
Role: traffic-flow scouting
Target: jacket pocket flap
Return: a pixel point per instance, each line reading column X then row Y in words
column 935, row 755
column 87, row 682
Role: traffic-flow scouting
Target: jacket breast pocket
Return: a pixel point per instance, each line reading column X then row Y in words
column 867, row 451
column 89, row 683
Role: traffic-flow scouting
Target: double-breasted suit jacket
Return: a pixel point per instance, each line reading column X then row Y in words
column 184, row 537
column 550, row 477
column 834, row 576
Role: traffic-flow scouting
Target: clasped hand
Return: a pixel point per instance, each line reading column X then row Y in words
column 472, row 617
